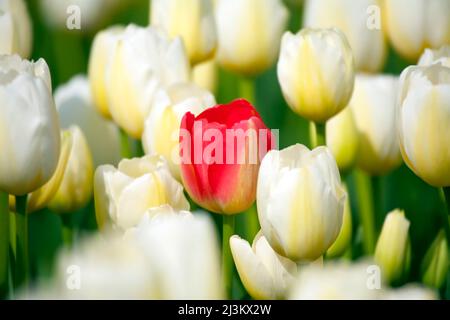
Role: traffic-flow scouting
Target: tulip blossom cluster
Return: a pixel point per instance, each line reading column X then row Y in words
column 167, row 141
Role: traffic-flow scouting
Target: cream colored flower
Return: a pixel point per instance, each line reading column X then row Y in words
column 438, row 56
column 205, row 75
column 15, row 25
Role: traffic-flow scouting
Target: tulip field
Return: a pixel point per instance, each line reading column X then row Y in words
column 224, row 149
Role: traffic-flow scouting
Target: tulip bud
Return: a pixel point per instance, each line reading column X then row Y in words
column 343, row 241
column 75, row 107
column 309, row 64
column 220, row 152
column 424, row 119
column 39, row 198
column 373, row 105
column 99, row 68
column 29, row 139
column 75, row 189
column 205, row 75
column 435, row 264
column 143, row 60
column 439, row 56
column 193, row 20
column 300, row 201
column 123, row 195
column 425, row 23
column 393, row 251
column 162, row 126
column 264, row 273
column 249, row 33
column 342, row 139
column 352, row 18
column 15, row 26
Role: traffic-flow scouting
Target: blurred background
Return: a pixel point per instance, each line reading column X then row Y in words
column 67, row 54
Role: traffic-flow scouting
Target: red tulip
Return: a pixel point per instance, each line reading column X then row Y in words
column 221, row 150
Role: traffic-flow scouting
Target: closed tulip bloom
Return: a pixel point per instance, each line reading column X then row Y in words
column 264, row 273
column 393, row 252
column 424, row 119
column 75, row 108
column 220, row 151
column 308, row 68
column 162, row 126
column 249, row 33
column 373, row 105
column 192, row 20
column 75, row 189
column 29, row 127
column 425, row 24
column 143, row 61
column 438, row 56
column 123, row 195
column 352, row 18
column 40, row 198
column 99, row 68
column 205, row 75
column 300, row 201
column 434, row 265
column 15, row 26
column 342, row 138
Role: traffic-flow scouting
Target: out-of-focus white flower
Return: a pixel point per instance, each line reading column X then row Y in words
column 205, row 75
column 413, row 25
column 143, row 61
column 75, row 189
column 183, row 253
column 316, row 72
column 66, row 14
column 249, row 33
column 192, row 20
column 373, row 105
column 351, row 17
column 15, row 25
column 123, row 195
column 438, row 56
column 300, row 201
column 264, row 273
column 424, row 122
column 75, row 107
column 162, row 126
column 29, row 126
column 99, row 68
column 335, row 281
column 410, row 292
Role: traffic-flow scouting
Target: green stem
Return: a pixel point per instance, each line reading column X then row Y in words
column 247, row 89
column 227, row 259
column 366, row 211
column 317, row 134
column 4, row 245
column 378, row 196
column 22, row 253
column 445, row 195
column 67, row 229
column 125, row 146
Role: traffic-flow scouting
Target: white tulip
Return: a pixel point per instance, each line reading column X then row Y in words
column 438, row 56
column 352, row 18
column 316, row 72
column 249, row 33
column 29, row 127
column 123, row 195
column 424, row 121
column 75, row 188
column 75, row 107
column 373, row 105
column 15, row 25
column 300, row 201
column 162, row 126
column 192, row 20
column 143, row 61
column 99, row 68
column 337, row 281
column 264, row 273
column 413, row 25
column 183, row 255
